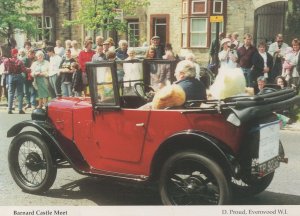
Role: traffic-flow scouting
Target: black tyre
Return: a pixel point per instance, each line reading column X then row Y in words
column 189, row 178
column 30, row 163
column 250, row 187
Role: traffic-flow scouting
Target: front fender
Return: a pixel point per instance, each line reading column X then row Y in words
column 63, row 145
column 43, row 127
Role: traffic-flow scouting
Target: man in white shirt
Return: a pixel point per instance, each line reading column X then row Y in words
column 54, row 64
column 277, row 51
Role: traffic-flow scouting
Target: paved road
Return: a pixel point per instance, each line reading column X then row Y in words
column 72, row 189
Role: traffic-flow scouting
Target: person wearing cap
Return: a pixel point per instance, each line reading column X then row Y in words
column 227, row 56
column 245, row 54
column 14, row 68
column 160, row 50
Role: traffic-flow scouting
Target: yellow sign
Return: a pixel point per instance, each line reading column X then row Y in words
column 216, row 18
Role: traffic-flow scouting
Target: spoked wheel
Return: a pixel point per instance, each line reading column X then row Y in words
column 193, row 179
column 250, row 187
column 30, row 163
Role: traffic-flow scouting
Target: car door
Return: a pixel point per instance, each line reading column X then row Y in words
column 118, row 133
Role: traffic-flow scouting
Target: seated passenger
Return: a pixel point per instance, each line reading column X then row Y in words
column 185, row 74
column 186, row 88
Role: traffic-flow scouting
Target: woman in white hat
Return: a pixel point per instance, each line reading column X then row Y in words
column 228, row 55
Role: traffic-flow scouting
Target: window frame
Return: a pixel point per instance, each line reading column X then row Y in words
column 214, row 6
column 51, row 25
column 187, row 42
column 133, row 22
column 198, row 32
column 184, row 44
column 192, row 7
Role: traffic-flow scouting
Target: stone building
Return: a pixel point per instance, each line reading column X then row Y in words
column 183, row 23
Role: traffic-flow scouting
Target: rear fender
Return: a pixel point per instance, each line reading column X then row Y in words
column 199, row 142
column 65, row 147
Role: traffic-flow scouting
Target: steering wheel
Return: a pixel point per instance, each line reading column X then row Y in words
column 146, row 92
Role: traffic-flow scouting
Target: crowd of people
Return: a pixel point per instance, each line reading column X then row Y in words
column 278, row 60
column 40, row 74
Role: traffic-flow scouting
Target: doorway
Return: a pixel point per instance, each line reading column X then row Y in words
column 269, row 21
column 160, row 26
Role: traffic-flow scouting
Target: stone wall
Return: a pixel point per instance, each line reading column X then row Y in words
column 64, row 12
column 173, row 8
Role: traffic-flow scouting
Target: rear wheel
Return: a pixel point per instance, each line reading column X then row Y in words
column 30, row 163
column 189, row 178
column 250, row 187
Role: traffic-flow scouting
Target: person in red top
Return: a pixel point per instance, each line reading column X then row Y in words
column 14, row 68
column 84, row 57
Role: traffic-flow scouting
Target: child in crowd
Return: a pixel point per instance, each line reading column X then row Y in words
column 287, row 64
column 77, row 84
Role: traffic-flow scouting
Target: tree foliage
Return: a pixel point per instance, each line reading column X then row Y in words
column 292, row 27
column 101, row 14
column 13, row 15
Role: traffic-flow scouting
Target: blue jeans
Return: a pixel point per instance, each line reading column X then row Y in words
column 66, row 89
column 30, row 93
column 15, row 82
column 247, row 74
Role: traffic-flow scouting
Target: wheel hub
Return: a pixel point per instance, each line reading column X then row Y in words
column 34, row 162
column 194, row 184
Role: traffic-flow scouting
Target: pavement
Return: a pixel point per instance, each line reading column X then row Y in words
column 3, row 108
column 289, row 127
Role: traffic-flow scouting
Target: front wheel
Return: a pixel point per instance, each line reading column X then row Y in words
column 30, row 163
column 189, row 178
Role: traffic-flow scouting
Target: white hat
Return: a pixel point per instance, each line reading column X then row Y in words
column 225, row 40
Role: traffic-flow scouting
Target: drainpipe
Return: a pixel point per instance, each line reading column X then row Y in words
column 69, row 18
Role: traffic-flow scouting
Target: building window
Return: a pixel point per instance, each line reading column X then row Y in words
column 133, row 33
column 45, row 28
column 48, row 28
column 199, row 7
column 218, row 7
column 48, row 22
column 184, row 30
column 39, row 35
column 213, row 29
column 196, row 30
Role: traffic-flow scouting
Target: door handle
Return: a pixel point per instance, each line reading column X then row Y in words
column 139, row 124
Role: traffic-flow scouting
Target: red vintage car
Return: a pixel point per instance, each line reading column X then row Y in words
column 197, row 156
